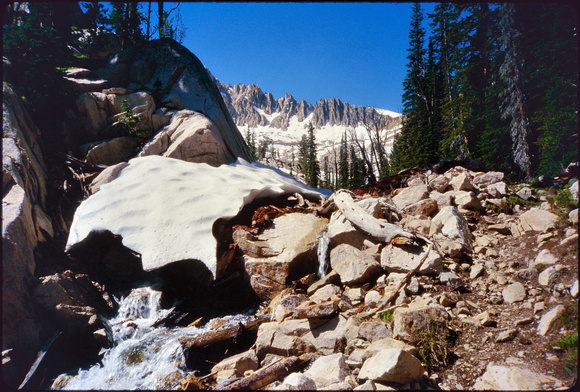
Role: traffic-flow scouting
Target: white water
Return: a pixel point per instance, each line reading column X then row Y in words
column 142, row 357
column 323, row 242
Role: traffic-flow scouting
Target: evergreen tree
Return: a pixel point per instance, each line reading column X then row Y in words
column 409, row 148
column 125, row 20
column 308, row 158
column 549, row 47
column 357, row 170
column 343, row 170
column 514, row 105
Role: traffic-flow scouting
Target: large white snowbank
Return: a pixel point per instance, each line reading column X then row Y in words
column 165, row 208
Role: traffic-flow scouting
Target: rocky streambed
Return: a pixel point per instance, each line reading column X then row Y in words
column 478, row 292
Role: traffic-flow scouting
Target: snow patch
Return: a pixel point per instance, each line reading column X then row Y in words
column 165, row 208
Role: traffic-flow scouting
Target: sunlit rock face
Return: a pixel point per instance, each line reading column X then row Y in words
column 166, row 68
column 165, row 209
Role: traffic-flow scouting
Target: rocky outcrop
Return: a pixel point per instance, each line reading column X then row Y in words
column 166, row 68
column 25, row 224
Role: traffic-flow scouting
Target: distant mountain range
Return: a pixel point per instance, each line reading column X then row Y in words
column 284, row 120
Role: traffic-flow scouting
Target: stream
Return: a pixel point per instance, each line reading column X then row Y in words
column 143, row 356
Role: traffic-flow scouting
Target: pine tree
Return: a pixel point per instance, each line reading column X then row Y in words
column 514, row 103
column 550, row 64
column 343, row 170
column 357, row 170
column 308, row 157
column 408, row 148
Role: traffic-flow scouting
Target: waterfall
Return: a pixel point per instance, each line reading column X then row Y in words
column 142, row 356
column 323, row 242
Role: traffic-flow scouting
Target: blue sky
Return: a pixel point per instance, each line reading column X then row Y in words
column 352, row 51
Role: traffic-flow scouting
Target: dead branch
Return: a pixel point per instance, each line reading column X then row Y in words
column 267, row 375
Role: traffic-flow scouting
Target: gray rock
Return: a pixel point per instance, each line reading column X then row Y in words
column 476, row 270
column 466, row 200
column 392, row 365
column 341, row 231
column 374, row 330
column 547, row 276
column 545, row 257
column 439, row 184
column 574, row 190
column 354, row 266
column 426, row 207
column 454, row 226
column 326, row 336
column 513, row 378
column 387, row 343
column 409, row 321
column 506, row 336
column 405, row 258
column 525, row 193
column 537, row 220
column 112, row 152
column 411, row 195
column 497, row 190
column 283, row 338
column 328, row 370
column 485, row 179
column 324, row 293
column 181, row 75
column 461, row 182
column 248, row 360
column 548, row 319
column 297, row 382
column 442, row 199
column 515, row 292
column 451, row 280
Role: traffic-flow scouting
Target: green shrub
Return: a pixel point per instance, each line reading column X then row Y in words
column 434, row 345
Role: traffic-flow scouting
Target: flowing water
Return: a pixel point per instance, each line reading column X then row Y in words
column 323, row 242
column 142, row 356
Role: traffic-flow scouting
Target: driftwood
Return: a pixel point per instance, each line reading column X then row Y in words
column 36, row 365
column 213, row 337
column 266, row 375
column 379, row 229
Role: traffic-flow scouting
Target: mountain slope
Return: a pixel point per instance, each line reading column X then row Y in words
column 284, row 121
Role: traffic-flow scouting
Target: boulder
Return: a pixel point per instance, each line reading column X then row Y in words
column 426, row 207
column 248, row 360
column 547, row 276
column 387, row 343
column 324, row 293
column 328, row 370
column 297, row 382
column 282, row 253
column 461, row 182
column 316, row 310
column 411, row 195
column 442, row 199
column 548, row 319
column 515, row 292
column 182, row 75
column 497, row 190
column 136, row 206
column 373, row 331
column 537, row 220
column 513, row 378
column 439, row 184
column 404, row 258
column 574, row 191
column 114, row 151
column 450, row 279
column 285, row 303
column 545, row 257
column 525, row 193
column 392, row 365
column 485, row 179
column 354, row 266
column 191, row 137
column 466, row 200
column 453, row 226
column 573, row 216
column 283, row 338
column 409, row 321
column 327, row 336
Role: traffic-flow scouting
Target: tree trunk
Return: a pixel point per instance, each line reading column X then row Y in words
column 161, row 20
column 267, row 375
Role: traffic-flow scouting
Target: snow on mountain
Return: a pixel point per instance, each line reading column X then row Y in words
column 284, row 121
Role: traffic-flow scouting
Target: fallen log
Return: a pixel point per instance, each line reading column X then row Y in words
column 379, row 229
column 213, row 337
column 267, row 375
